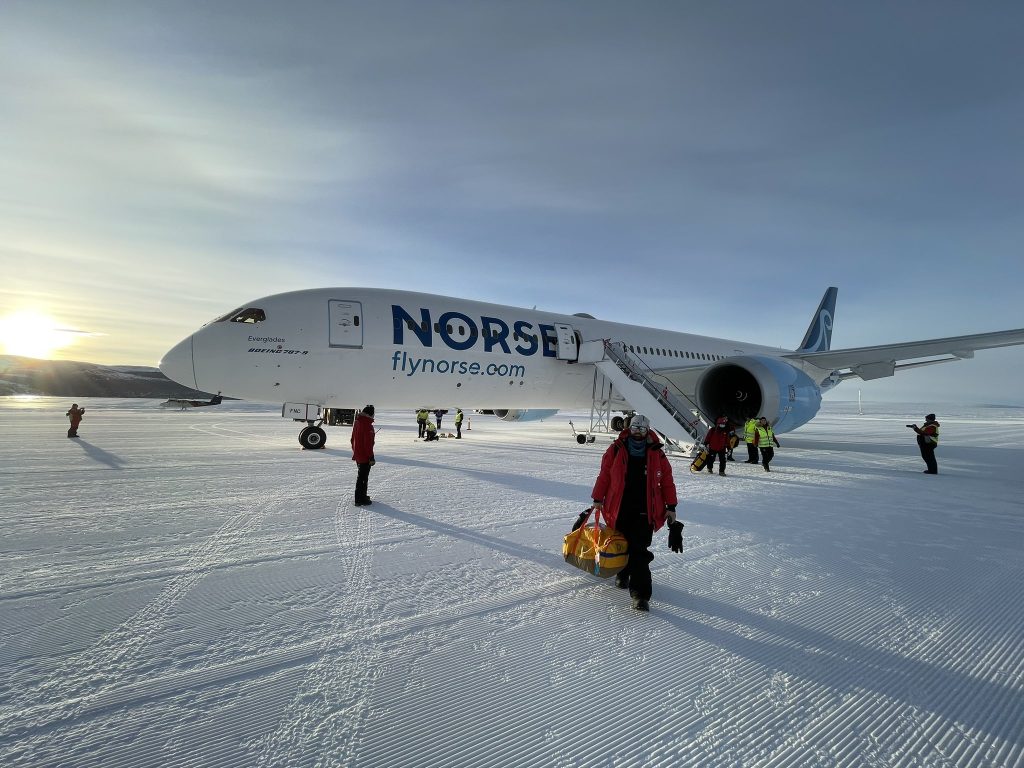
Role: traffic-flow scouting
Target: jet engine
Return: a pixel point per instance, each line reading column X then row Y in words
column 530, row 414
column 741, row 387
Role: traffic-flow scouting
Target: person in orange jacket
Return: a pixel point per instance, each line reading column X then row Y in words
column 636, row 494
column 362, row 453
column 75, row 414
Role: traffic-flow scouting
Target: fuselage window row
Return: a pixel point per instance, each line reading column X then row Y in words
column 638, row 350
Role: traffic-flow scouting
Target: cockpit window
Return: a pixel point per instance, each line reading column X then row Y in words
column 248, row 315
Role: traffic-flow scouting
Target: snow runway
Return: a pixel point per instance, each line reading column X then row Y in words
column 191, row 588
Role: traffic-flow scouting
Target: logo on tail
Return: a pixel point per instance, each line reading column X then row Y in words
column 819, row 333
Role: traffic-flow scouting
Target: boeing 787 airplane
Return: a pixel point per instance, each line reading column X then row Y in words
column 325, row 352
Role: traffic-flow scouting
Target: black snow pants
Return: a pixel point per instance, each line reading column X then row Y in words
column 362, row 481
column 928, row 454
column 639, row 534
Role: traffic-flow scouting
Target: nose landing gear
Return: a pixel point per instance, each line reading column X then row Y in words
column 312, row 437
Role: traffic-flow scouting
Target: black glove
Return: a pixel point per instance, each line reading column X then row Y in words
column 581, row 519
column 675, row 536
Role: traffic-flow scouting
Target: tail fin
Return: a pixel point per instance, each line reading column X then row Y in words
column 819, row 333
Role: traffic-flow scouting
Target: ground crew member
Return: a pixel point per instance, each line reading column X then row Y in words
column 749, row 432
column 431, row 429
column 458, row 423
column 421, row 421
column 764, row 436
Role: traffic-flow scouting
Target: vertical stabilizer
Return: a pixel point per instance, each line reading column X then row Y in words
column 819, row 333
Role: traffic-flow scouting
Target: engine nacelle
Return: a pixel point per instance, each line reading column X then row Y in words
column 741, row 387
column 529, row 414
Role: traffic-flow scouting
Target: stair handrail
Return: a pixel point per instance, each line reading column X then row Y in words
column 697, row 427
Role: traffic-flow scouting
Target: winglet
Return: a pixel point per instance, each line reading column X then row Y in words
column 819, row 333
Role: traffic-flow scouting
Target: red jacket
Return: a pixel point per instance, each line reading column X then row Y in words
column 362, row 439
column 661, row 489
column 717, row 439
column 75, row 414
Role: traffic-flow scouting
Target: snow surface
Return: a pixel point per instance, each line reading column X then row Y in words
column 192, row 588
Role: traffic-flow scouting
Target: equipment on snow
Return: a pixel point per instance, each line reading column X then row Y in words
column 700, row 460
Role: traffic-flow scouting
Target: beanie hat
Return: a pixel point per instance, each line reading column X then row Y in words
column 368, row 410
column 930, row 417
column 639, row 422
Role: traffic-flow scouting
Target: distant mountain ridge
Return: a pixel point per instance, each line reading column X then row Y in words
column 66, row 378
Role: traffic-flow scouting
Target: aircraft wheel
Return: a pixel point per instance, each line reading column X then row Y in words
column 312, row 437
column 581, row 439
column 618, row 423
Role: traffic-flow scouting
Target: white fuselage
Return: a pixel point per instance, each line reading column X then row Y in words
column 344, row 347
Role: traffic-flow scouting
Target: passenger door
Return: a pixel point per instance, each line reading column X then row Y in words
column 346, row 318
column 568, row 348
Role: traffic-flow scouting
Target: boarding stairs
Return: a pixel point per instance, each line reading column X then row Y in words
column 671, row 412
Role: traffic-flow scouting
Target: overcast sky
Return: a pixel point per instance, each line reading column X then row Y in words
column 705, row 167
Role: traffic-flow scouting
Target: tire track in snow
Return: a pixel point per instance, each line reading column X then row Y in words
column 323, row 723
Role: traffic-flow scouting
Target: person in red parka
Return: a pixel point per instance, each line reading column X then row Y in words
column 75, row 414
column 362, row 453
column 635, row 493
column 717, row 441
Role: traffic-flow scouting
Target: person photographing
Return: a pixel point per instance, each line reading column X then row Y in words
column 927, row 440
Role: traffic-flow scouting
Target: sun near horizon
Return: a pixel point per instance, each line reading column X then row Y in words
column 28, row 333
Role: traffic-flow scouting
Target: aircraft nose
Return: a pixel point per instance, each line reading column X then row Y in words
column 177, row 364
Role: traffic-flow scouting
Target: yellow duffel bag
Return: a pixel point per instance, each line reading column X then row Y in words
column 595, row 548
column 700, row 461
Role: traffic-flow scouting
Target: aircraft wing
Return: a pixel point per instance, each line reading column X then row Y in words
column 877, row 362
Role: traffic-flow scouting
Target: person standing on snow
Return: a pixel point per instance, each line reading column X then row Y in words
column 927, row 440
column 717, row 441
column 75, row 414
column 749, row 433
column 636, row 494
column 458, row 423
column 764, row 437
column 362, row 453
